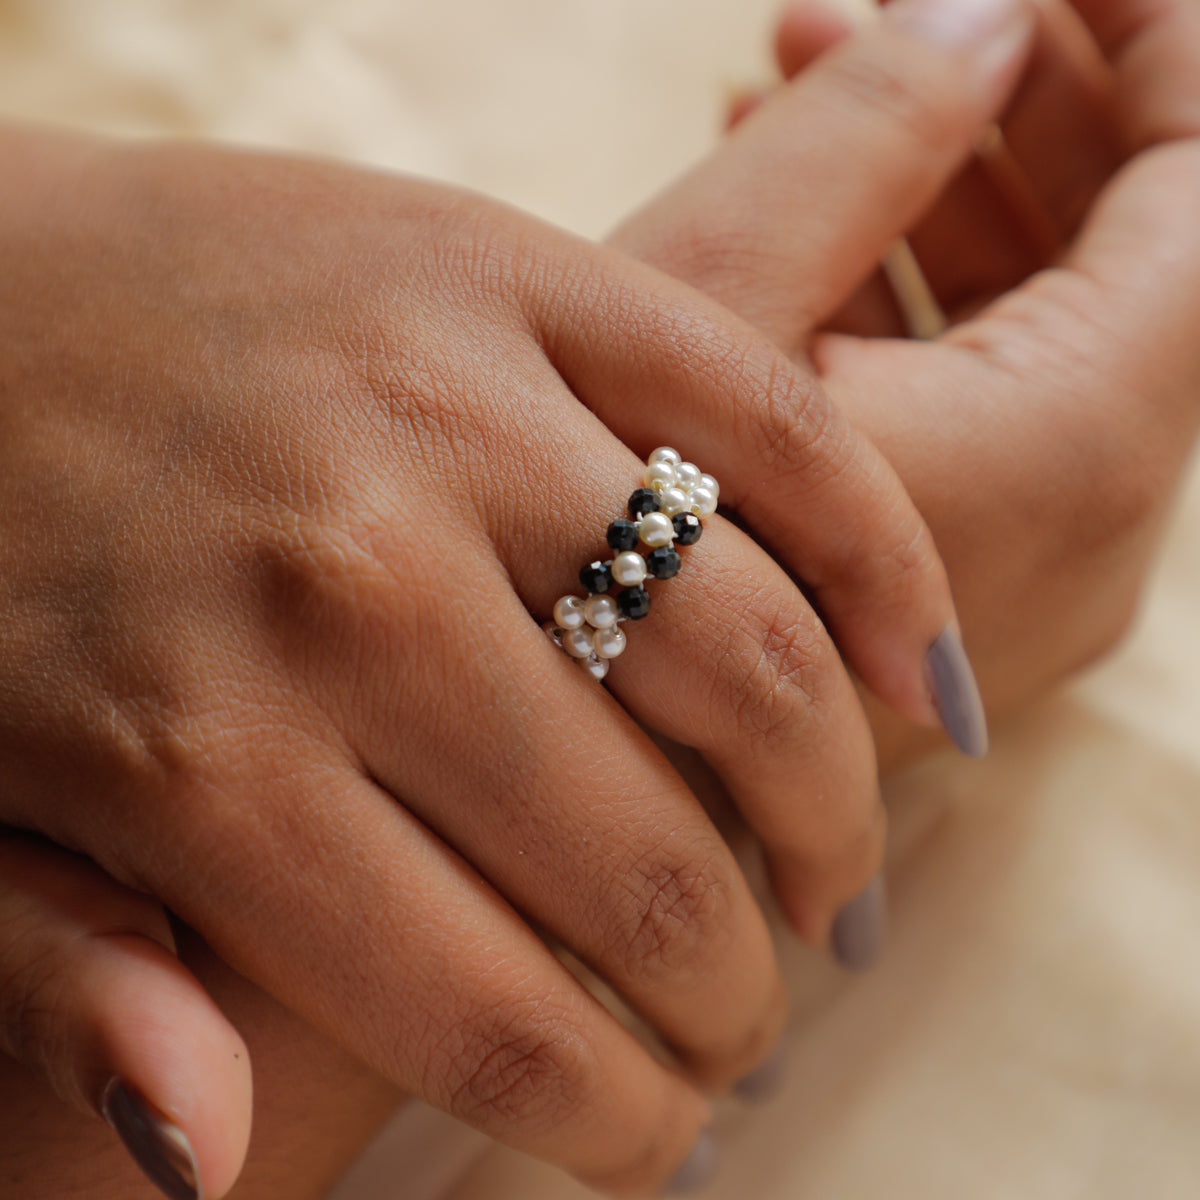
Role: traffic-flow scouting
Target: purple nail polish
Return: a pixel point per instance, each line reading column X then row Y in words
column 860, row 927
column 956, row 694
column 765, row 1081
column 157, row 1146
column 698, row 1168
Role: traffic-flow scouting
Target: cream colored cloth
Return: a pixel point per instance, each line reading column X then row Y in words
column 1035, row 1031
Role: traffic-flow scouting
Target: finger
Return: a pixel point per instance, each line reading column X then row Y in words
column 1022, row 197
column 312, row 882
column 986, row 232
column 1124, row 300
column 820, row 497
column 805, row 31
column 731, row 660
column 93, row 998
column 1152, row 46
column 1059, row 127
column 971, row 240
column 1114, row 323
column 1074, row 120
column 382, row 937
column 907, row 99
column 741, row 104
column 663, row 912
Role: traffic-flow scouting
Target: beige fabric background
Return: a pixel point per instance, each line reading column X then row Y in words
column 1035, row 1030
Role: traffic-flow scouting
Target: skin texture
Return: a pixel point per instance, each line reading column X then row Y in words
column 268, row 566
column 1038, row 596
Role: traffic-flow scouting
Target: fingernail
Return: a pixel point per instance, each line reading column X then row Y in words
column 765, row 1080
column 956, row 694
column 157, row 1146
column 860, row 928
column 698, row 1168
column 965, row 23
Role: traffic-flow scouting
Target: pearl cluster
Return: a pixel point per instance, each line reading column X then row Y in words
column 664, row 512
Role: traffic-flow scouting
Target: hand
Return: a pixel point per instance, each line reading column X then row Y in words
column 1043, row 434
column 290, row 454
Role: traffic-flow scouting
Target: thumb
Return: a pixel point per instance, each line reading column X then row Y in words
column 93, row 999
column 796, row 207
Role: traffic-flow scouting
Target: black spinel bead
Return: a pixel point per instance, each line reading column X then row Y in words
column 642, row 501
column 687, row 528
column 622, row 534
column 597, row 576
column 663, row 562
column 634, row 602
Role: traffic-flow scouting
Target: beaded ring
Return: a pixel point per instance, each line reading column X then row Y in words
column 665, row 512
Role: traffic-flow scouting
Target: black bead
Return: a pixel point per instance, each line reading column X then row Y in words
column 687, row 528
column 663, row 562
column 622, row 534
column 634, row 602
column 642, row 501
column 597, row 576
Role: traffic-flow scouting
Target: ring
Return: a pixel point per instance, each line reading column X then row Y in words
column 665, row 512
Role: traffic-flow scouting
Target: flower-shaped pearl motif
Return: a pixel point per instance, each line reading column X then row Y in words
column 664, row 512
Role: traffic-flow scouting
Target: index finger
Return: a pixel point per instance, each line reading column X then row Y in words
column 796, row 207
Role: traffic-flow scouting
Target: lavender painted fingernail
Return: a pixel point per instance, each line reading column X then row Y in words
column 160, row 1148
column 765, row 1080
column 956, row 694
column 860, row 928
column 698, row 1168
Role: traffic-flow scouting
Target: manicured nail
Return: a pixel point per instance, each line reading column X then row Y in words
column 698, row 1168
column 999, row 25
column 765, row 1080
column 956, row 694
column 860, row 927
column 157, row 1146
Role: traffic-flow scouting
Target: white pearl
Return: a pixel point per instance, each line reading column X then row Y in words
column 674, row 500
column 709, row 482
column 629, row 568
column 655, row 529
column 568, row 612
column 578, row 642
column 687, row 475
column 610, row 642
column 602, row 612
column 703, row 502
column 597, row 668
column 664, row 454
column 553, row 632
column 658, row 476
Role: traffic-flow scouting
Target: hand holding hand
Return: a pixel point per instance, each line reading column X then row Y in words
column 291, row 454
column 1043, row 433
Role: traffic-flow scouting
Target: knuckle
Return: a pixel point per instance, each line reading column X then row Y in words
column 795, row 432
column 32, row 999
column 888, row 89
column 533, row 1068
column 319, row 578
column 712, row 251
column 674, row 915
column 771, row 674
column 901, row 566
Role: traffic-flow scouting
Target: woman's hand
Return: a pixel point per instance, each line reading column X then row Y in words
column 290, row 454
column 1044, row 432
